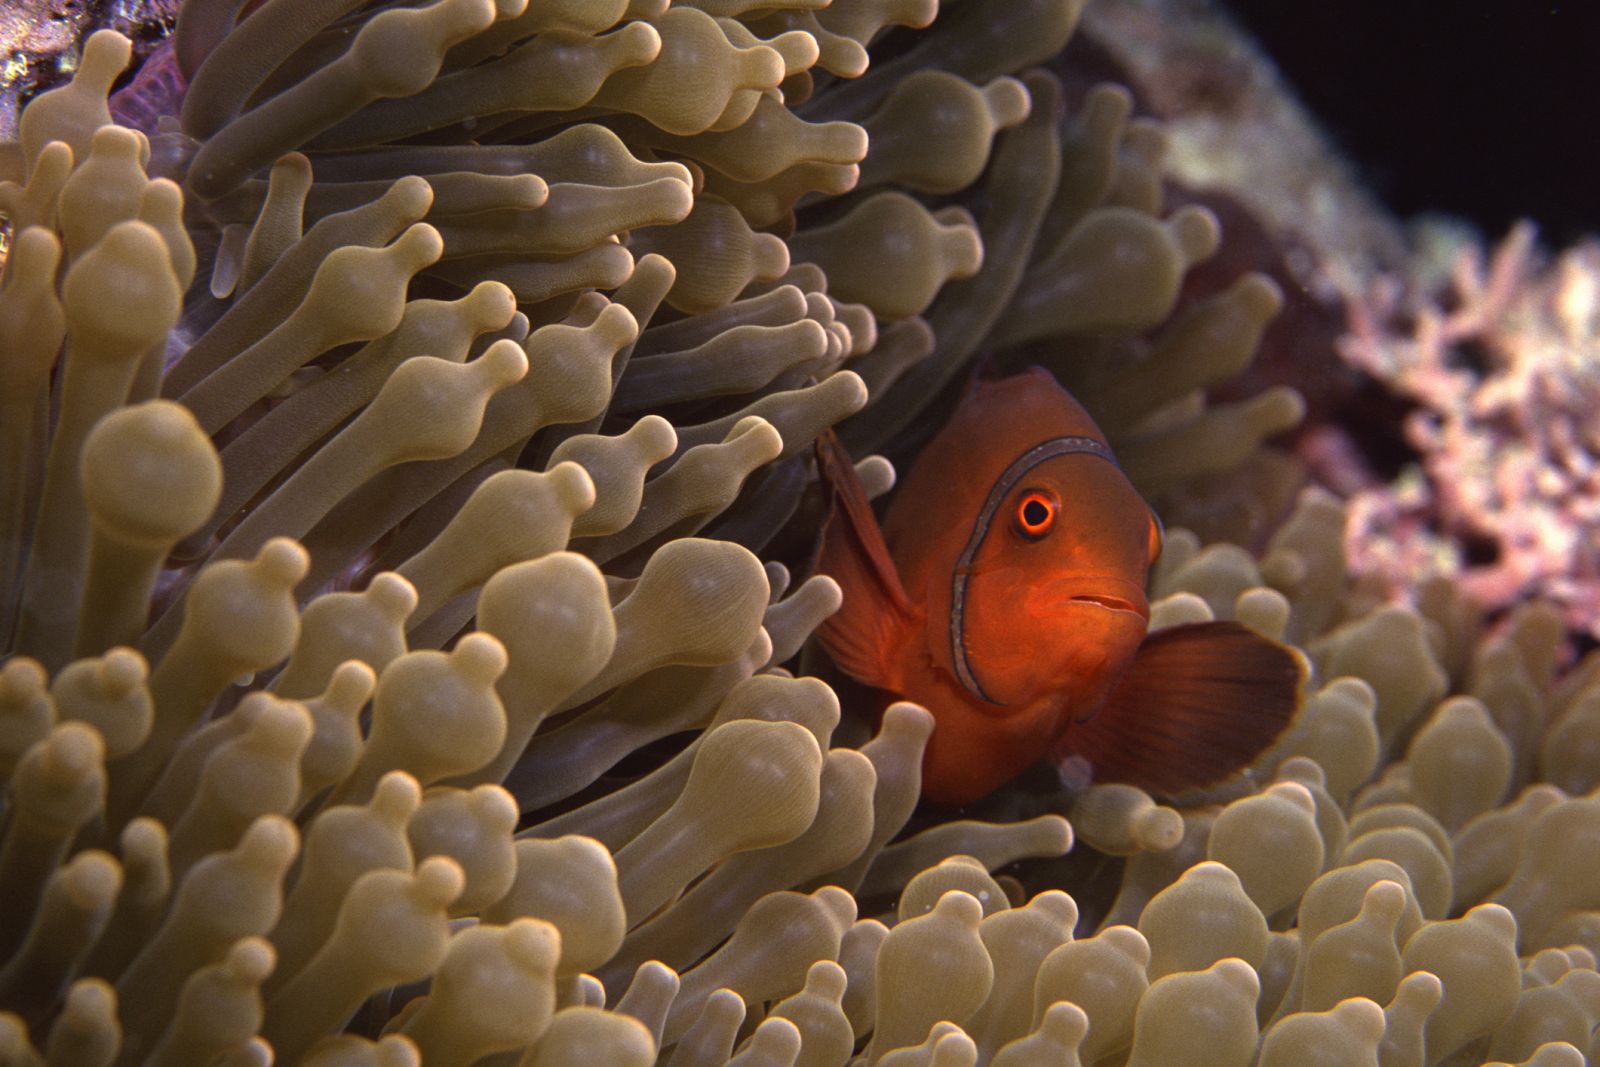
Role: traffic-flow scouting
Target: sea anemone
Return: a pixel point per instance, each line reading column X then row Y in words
column 399, row 401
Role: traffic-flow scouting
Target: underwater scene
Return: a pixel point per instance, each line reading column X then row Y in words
column 898, row 533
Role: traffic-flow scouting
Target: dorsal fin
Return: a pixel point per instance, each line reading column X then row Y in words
column 1198, row 703
column 877, row 616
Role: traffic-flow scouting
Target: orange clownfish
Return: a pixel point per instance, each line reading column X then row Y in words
column 1005, row 592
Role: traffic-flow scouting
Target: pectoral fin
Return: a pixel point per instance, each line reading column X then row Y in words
column 877, row 616
column 1199, row 703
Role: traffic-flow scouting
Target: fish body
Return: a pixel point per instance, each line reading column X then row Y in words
column 1005, row 592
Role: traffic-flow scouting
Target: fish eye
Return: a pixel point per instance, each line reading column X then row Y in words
column 1036, row 514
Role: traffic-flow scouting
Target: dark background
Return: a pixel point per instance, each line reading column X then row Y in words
column 1487, row 109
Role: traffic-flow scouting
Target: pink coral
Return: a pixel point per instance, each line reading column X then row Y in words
column 1502, row 363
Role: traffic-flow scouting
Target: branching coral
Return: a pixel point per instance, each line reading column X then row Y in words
column 1503, row 382
column 390, row 436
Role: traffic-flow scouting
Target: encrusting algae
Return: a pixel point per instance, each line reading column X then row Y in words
column 393, row 434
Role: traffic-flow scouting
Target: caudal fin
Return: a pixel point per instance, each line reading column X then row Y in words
column 876, row 613
column 1199, row 703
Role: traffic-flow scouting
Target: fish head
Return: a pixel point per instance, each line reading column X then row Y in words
column 1049, row 597
column 1028, row 546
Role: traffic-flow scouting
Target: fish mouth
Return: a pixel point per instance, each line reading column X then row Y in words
column 1106, row 591
column 1115, row 603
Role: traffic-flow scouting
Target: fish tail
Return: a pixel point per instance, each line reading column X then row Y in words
column 876, row 612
